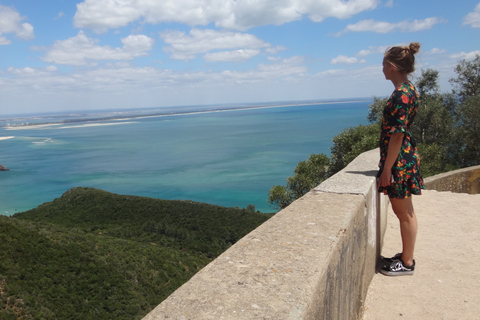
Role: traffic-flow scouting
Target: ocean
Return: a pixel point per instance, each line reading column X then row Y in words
column 229, row 157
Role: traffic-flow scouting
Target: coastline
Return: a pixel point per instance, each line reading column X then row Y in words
column 228, row 159
column 95, row 121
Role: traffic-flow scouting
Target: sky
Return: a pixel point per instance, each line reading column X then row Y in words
column 64, row 55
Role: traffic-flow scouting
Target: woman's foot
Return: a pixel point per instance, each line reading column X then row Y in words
column 397, row 268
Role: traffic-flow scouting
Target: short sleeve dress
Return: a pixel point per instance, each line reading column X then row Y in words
column 398, row 116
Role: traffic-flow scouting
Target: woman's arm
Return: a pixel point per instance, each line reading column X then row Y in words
column 394, row 146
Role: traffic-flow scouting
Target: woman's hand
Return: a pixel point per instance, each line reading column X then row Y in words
column 385, row 179
column 394, row 146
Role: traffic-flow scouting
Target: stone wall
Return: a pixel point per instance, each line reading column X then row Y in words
column 466, row 180
column 313, row 260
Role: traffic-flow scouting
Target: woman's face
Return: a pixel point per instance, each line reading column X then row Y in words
column 387, row 69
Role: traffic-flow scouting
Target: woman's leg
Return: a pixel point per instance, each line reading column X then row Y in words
column 403, row 209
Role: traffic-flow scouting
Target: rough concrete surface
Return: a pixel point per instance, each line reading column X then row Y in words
column 446, row 284
column 273, row 272
column 466, row 180
column 297, row 265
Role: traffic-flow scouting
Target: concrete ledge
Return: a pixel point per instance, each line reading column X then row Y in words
column 313, row 260
column 466, row 180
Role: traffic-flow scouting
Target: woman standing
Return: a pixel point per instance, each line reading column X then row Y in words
column 399, row 176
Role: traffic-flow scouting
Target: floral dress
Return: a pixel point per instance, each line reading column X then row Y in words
column 398, row 116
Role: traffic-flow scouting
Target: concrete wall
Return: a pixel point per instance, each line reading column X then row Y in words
column 465, row 180
column 313, row 260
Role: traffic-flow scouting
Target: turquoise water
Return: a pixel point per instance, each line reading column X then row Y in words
column 229, row 158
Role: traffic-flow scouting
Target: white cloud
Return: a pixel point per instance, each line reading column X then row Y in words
column 322, row 9
column 465, row 55
column 101, row 15
column 82, row 50
column 21, row 71
column 288, row 66
column 59, row 16
column 473, row 18
column 372, row 50
column 389, row 3
column 4, row 40
column 122, row 78
column 341, row 59
column 388, row 27
column 11, row 22
column 236, row 55
column 436, row 51
column 186, row 47
column 274, row 50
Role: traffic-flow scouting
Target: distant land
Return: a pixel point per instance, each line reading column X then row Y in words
column 47, row 119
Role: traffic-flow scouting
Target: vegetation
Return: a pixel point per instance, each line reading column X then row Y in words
column 446, row 130
column 91, row 254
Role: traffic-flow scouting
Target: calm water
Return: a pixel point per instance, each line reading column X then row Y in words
column 227, row 158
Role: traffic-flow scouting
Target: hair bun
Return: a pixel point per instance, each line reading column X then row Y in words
column 414, row 47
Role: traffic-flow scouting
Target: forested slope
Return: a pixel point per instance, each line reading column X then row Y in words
column 91, row 254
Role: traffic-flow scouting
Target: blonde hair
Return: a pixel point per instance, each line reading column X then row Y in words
column 403, row 58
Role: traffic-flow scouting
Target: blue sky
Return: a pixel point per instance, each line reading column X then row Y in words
column 62, row 55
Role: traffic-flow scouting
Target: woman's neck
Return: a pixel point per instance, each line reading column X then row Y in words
column 399, row 79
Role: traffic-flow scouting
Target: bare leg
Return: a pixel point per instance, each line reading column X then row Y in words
column 403, row 209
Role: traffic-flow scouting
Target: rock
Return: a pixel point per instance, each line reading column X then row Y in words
column 3, row 168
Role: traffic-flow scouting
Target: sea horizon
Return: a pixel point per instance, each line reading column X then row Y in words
column 86, row 115
column 225, row 155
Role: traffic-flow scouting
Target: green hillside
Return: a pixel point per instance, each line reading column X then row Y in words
column 91, row 254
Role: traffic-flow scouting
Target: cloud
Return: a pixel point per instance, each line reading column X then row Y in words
column 436, row 51
column 184, row 46
column 27, row 71
column 119, row 78
column 465, row 55
column 274, row 50
column 372, row 50
column 473, row 18
column 236, row 55
column 59, row 16
column 11, row 22
column 388, row 27
column 4, row 40
column 341, row 59
column 101, row 15
column 123, row 86
column 82, row 50
column 389, row 4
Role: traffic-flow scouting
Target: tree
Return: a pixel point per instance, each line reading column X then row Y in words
column 427, row 84
column 468, row 154
column 375, row 112
column 307, row 175
column 467, row 112
column 280, row 197
column 467, row 83
column 434, row 120
column 351, row 142
column 447, row 127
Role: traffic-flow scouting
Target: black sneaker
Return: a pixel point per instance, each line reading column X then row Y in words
column 398, row 268
column 384, row 261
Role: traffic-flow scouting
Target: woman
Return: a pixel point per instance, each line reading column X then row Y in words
column 399, row 176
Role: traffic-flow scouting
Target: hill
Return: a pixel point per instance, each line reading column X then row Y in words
column 91, row 254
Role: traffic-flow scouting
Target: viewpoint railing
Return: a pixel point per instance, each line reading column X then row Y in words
column 313, row 260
